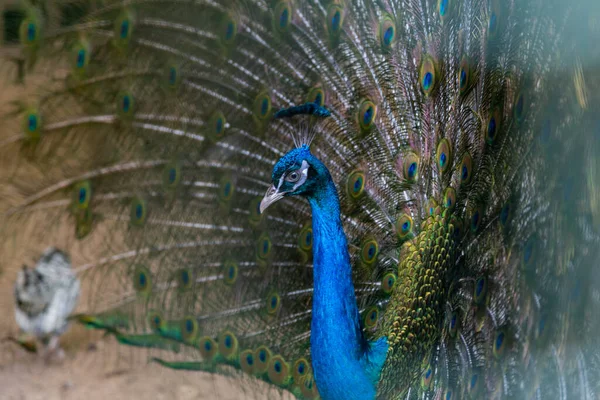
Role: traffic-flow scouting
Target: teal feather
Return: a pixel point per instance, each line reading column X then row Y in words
column 461, row 142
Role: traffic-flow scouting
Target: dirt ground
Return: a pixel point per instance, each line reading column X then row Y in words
column 94, row 367
column 81, row 376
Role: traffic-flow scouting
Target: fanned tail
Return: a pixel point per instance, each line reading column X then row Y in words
column 461, row 137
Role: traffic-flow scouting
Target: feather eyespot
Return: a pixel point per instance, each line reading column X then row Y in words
column 475, row 217
column 123, row 29
column 255, row 215
column 371, row 317
column 499, row 343
column 82, row 195
column 32, row 124
column 142, row 280
column 81, row 56
column 355, row 184
column 226, row 189
column 462, row 78
column 184, row 279
column 493, row 126
column 305, row 239
column 247, row 361
column 480, row 290
column 335, row 19
column 282, row 16
column 228, row 344
column 466, row 169
column 189, row 329
column 264, row 247
column 230, row 272
column 262, row 107
column 301, row 369
column 278, row 372
column 449, row 198
column 262, row 359
column 217, row 125
column 369, row 251
column 474, row 383
column 433, row 207
column 427, row 377
column 172, row 175
column 388, row 282
column 404, row 226
column 453, row 324
column 29, row 31
column 367, row 112
column 410, row 167
column 444, row 8
column 155, row 321
column 208, row 348
column 428, row 75
column 125, row 105
column 138, row 211
column 273, row 303
column 491, row 129
column 493, row 23
column 173, row 76
column 444, row 155
column 387, row 32
column 495, row 20
column 464, row 75
column 228, row 30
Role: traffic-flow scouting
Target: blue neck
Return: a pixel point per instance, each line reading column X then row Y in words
column 345, row 364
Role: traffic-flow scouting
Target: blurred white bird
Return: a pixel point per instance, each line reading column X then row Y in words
column 44, row 298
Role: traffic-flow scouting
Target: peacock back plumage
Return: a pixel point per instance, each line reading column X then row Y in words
column 448, row 152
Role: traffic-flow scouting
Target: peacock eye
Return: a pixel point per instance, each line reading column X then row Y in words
column 293, row 177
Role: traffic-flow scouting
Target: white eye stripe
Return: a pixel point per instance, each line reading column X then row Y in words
column 303, row 176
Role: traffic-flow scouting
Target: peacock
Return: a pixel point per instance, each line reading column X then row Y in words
column 343, row 199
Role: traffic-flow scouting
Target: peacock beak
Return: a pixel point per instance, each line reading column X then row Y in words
column 271, row 197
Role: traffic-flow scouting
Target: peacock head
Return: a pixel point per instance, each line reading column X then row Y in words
column 298, row 173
